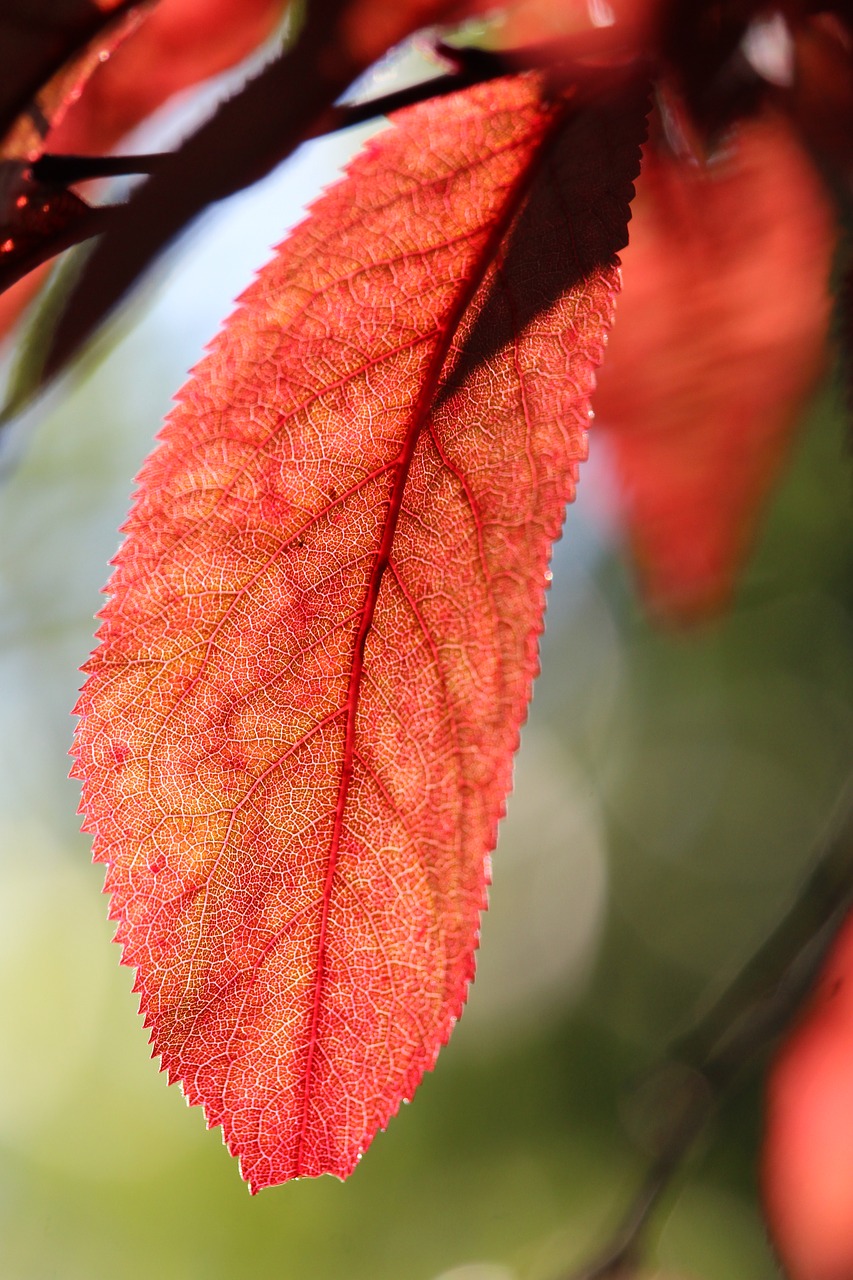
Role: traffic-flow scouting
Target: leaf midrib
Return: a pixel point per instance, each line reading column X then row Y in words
column 552, row 117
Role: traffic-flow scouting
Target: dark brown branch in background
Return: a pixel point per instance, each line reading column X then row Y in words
column 64, row 170
column 286, row 104
column 470, row 67
column 38, row 37
column 58, row 172
column 71, row 222
column 743, row 1025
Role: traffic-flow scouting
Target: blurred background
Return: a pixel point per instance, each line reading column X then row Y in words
column 669, row 791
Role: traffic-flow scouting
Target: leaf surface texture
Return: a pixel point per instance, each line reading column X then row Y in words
column 297, row 731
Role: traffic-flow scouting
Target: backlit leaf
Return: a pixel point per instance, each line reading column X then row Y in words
column 297, row 732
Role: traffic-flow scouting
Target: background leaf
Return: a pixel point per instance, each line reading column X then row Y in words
column 90, row 104
column 807, row 1161
column 38, row 37
column 721, row 335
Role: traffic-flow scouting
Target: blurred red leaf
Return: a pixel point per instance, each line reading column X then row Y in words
column 297, row 731
column 598, row 28
column 290, row 100
column 180, row 43
column 113, row 84
column 807, row 1166
column 38, row 38
column 368, row 28
column 720, row 335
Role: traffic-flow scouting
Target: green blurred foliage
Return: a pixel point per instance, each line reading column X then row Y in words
column 669, row 793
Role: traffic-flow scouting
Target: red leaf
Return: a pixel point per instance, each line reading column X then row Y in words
column 289, row 101
column 90, row 103
column 180, row 43
column 590, row 31
column 368, row 28
column 297, row 732
column 720, row 336
column 807, row 1162
column 39, row 39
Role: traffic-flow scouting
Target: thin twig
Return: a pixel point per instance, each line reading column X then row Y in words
column 469, row 67
column 64, row 170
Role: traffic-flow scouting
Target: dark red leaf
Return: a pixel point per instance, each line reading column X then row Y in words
column 38, row 38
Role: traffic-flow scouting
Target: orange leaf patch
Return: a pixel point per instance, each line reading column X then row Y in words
column 297, row 732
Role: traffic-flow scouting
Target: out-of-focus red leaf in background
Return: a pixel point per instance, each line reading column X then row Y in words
column 176, row 44
column 719, row 338
column 370, row 27
column 807, row 1171
column 179, row 43
column 584, row 30
column 37, row 41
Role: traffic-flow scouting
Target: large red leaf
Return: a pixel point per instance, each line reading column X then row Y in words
column 297, row 731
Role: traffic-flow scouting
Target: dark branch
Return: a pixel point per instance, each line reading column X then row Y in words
column 38, row 40
column 63, row 171
column 29, row 253
column 470, row 67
